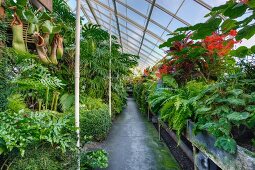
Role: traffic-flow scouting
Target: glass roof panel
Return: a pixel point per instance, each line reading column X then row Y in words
column 157, row 14
column 147, row 43
column 150, row 38
column 72, row 4
column 171, row 5
column 155, row 29
column 135, row 17
column 135, row 29
column 192, row 12
column 106, row 2
column 214, row 3
column 175, row 24
column 139, row 5
column 101, row 9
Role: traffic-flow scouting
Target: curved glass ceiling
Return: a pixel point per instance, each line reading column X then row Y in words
column 142, row 25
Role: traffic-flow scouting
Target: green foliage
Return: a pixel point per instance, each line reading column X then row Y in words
column 176, row 106
column 44, row 157
column 3, row 29
column 19, row 130
column 95, row 119
column 228, row 144
column 66, row 101
column 16, row 103
column 225, row 107
column 94, row 159
column 89, row 103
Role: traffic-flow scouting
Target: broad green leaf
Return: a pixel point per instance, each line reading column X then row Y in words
column 228, row 25
column 56, row 29
column 22, row 2
column 227, row 144
column 207, row 28
column 222, row 7
column 45, row 16
column 235, row 101
column 253, row 49
column 47, row 27
column 251, row 122
column 236, row 92
column 168, row 43
column 235, row 11
column 30, row 17
column 247, row 32
column 251, row 3
column 241, row 52
column 237, row 116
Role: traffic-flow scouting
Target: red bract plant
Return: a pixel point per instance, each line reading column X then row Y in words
column 219, row 44
column 146, row 72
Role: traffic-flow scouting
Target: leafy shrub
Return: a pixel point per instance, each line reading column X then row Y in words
column 16, row 103
column 96, row 123
column 89, row 103
column 44, row 157
column 94, row 159
column 19, row 130
column 117, row 104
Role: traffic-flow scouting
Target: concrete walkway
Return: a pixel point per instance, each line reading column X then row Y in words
column 133, row 144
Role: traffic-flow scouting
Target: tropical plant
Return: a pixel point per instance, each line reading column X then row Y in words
column 19, row 130
column 95, row 122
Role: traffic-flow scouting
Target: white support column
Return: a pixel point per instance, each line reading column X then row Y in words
column 77, row 77
column 110, row 68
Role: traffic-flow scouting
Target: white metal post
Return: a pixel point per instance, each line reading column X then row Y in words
column 77, row 77
column 110, row 69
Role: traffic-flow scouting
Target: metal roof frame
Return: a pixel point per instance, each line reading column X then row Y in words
column 129, row 20
column 126, row 28
column 117, row 21
column 132, row 38
column 148, row 51
column 146, row 25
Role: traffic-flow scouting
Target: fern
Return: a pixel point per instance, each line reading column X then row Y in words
column 16, row 103
column 66, row 101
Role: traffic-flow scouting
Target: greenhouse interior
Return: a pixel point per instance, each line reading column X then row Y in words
column 127, row 84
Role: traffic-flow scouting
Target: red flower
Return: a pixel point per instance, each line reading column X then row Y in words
column 233, row 33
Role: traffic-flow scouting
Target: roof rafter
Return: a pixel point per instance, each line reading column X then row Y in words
column 133, row 39
column 170, row 13
column 126, row 28
column 92, row 11
column 141, row 14
column 85, row 13
column 117, row 20
column 130, row 21
column 147, row 23
column 126, row 44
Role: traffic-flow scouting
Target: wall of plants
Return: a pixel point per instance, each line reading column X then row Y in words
column 37, row 87
column 207, row 77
